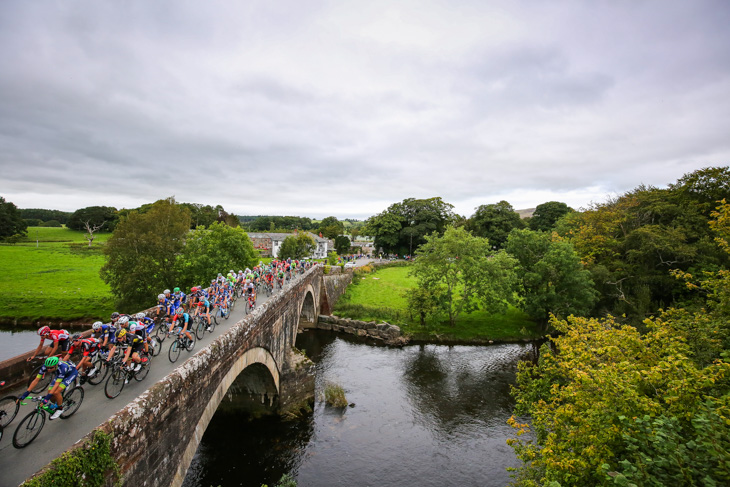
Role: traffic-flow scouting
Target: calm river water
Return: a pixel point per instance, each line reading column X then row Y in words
column 427, row 415
column 16, row 341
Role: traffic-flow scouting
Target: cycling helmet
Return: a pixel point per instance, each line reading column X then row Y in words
column 177, row 290
column 44, row 331
column 140, row 316
column 123, row 320
column 121, row 334
column 96, row 326
column 75, row 337
column 220, row 275
column 115, row 316
column 179, row 311
column 51, row 362
column 166, row 291
column 160, row 297
column 201, row 304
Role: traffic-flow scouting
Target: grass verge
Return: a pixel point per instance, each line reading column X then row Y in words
column 381, row 296
column 56, row 278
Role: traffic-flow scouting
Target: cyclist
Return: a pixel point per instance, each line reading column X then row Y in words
column 251, row 292
column 88, row 346
column 66, row 373
column 179, row 298
column 163, row 305
column 182, row 319
column 58, row 337
column 204, row 307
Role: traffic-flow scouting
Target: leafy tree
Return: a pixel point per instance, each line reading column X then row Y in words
column 283, row 223
column 547, row 214
column 297, row 247
column 96, row 216
column 342, row 244
column 404, row 226
column 331, row 227
column 553, row 276
column 201, row 215
column 494, row 222
column 142, row 251
column 51, row 223
column 632, row 242
column 34, row 222
column 606, row 400
column 211, row 250
column 332, row 257
column 424, row 302
column 11, row 221
column 464, row 272
column 44, row 215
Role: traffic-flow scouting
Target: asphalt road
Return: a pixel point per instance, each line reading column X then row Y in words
column 58, row 435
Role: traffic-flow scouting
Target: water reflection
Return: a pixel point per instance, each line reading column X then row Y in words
column 451, row 388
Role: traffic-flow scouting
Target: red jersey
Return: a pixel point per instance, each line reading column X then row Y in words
column 57, row 335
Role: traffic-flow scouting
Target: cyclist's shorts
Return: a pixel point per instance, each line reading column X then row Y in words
column 63, row 345
column 136, row 347
column 68, row 379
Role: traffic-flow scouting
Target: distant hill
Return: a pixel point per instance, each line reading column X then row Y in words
column 526, row 213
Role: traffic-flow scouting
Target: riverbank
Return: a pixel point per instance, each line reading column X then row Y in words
column 380, row 296
column 393, row 335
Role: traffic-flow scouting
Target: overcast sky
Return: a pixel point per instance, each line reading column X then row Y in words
column 317, row 108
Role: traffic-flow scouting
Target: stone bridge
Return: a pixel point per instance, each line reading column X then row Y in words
column 156, row 435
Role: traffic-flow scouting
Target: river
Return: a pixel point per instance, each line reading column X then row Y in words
column 429, row 415
column 16, row 341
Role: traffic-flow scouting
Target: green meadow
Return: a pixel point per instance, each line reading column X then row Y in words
column 53, row 275
column 381, row 296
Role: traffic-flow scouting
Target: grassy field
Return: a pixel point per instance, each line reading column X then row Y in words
column 53, row 275
column 380, row 296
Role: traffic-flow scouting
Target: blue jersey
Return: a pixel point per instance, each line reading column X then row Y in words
column 65, row 369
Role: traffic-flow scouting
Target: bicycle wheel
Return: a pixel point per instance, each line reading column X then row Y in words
column 190, row 343
column 174, row 351
column 29, row 428
column 200, row 328
column 43, row 383
column 72, row 399
column 102, row 369
column 161, row 331
column 141, row 374
column 115, row 382
column 155, row 346
column 211, row 326
column 8, row 409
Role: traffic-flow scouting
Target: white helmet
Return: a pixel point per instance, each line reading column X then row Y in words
column 96, row 326
column 140, row 315
column 160, row 296
column 166, row 291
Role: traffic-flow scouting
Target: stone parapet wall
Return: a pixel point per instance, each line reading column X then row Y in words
column 385, row 332
column 335, row 286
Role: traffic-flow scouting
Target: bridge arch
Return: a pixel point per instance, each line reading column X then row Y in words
column 308, row 309
column 257, row 355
